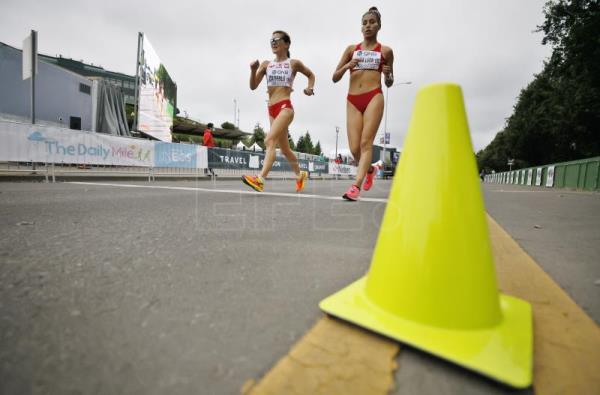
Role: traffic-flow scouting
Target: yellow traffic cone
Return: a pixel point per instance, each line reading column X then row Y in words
column 432, row 282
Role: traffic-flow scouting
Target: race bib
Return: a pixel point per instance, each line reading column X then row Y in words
column 280, row 74
column 367, row 60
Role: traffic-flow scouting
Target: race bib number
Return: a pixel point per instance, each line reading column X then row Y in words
column 279, row 74
column 367, row 60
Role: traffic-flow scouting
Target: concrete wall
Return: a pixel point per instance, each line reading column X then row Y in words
column 57, row 91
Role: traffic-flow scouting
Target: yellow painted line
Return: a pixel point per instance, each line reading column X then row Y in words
column 566, row 340
column 335, row 357
column 332, row 358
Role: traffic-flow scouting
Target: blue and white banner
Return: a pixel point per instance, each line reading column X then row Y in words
column 319, row 167
column 187, row 156
column 22, row 142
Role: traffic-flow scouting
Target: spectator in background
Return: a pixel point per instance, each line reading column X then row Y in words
column 339, row 160
column 209, row 142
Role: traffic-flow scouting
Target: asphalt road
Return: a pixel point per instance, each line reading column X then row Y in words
column 167, row 288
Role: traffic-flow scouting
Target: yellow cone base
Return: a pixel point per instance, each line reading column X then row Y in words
column 503, row 352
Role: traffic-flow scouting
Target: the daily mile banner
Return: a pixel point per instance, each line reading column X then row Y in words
column 157, row 94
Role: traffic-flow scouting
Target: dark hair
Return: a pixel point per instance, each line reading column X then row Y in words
column 286, row 38
column 210, row 125
column 375, row 12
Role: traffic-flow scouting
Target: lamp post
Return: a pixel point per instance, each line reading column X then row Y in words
column 337, row 132
column 385, row 135
column 234, row 110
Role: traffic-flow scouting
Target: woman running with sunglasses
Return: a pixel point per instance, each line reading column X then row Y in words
column 364, row 108
column 280, row 77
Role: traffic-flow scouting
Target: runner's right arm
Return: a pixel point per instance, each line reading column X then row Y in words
column 346, row 63
column 257, row 73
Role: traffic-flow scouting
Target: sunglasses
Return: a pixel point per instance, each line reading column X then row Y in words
column 276, row 40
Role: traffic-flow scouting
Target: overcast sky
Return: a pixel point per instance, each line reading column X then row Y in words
column 489, row 47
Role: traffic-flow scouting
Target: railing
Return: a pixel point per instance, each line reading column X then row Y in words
column 578, row 174
column 52, row 171
column 54, row 151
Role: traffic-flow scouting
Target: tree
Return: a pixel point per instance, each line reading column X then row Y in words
column 247, row 141
column 258, row 136
column 557, row 116
column 300, row 144
column 305, row 144
column 228, row 125
column 317, row 149
column 291, row 141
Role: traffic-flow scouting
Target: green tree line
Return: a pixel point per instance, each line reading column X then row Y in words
column 557, row 116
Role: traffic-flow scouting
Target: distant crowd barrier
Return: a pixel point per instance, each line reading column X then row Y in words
column 50, row 145
column 221, row 158
column 340, row 169
column 22, row 142
column 578, row 174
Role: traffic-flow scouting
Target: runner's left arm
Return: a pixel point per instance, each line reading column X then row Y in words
column 388, row 67
column 300, row 67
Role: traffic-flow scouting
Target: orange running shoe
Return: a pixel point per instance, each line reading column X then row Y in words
column 301, row 180
column 255, row 182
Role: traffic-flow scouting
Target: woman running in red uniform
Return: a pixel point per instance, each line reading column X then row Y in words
column 364, row 108
column 280, row 77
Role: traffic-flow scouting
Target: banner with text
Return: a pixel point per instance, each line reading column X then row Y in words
column 221, row 158
column 188, row 156
column 20, row 142
column 341, row 169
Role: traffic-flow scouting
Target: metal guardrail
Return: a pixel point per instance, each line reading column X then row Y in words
column 578, row 174
column 51, row 171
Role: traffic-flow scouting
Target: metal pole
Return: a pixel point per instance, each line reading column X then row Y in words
column 33, row 71
column 387, row 90
column 337, row 132
column 234, row 110
column 137, row 82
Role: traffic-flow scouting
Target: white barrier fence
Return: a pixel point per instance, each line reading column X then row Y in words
column 341, row 169
column 20, row 142
column 23, row 142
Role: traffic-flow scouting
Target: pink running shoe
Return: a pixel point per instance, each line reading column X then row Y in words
column 352, row 193
column 370, row 177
